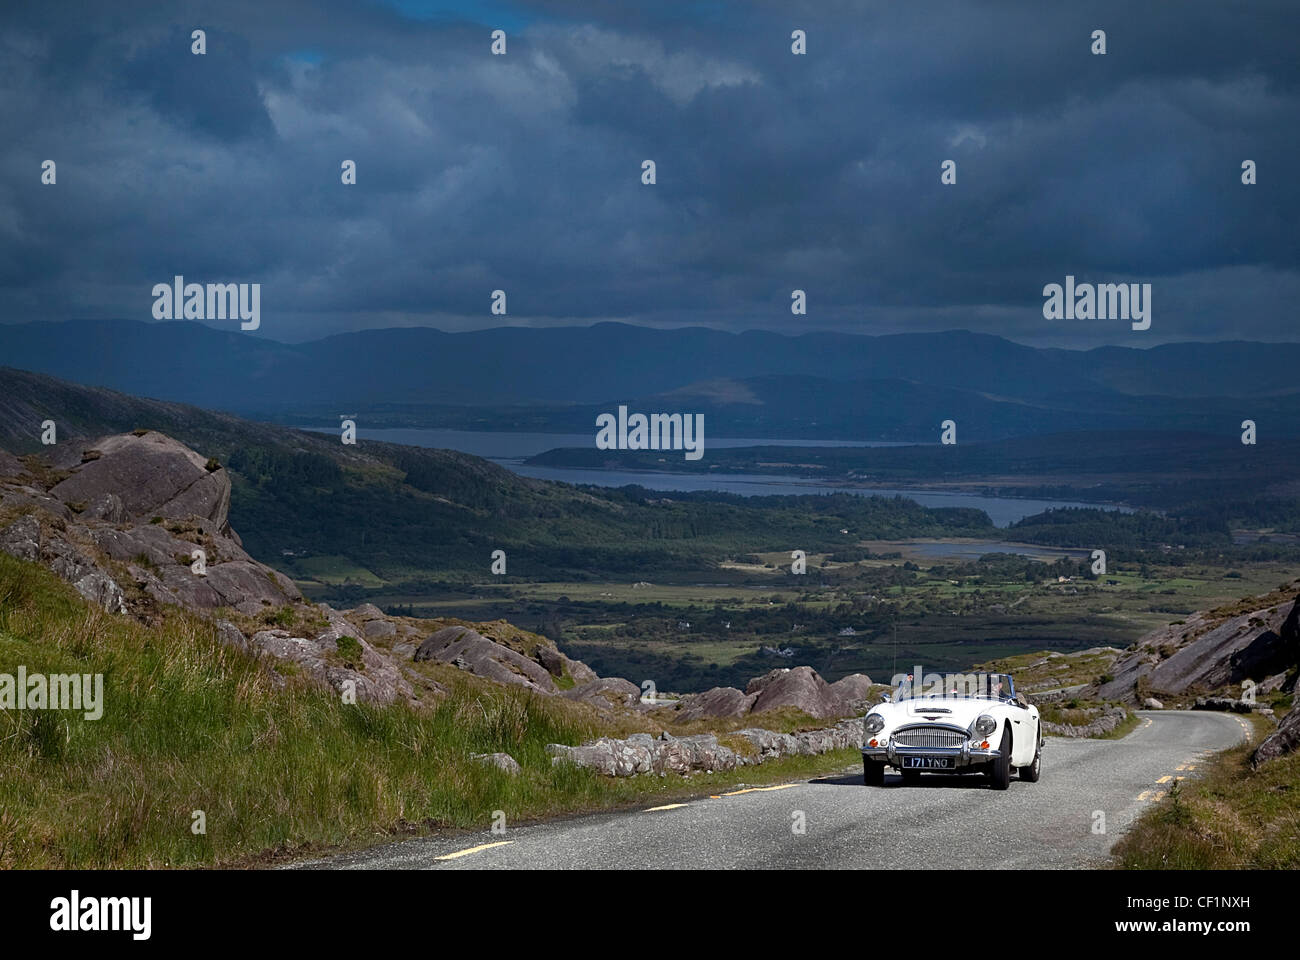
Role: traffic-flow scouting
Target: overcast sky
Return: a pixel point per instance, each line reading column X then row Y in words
column 775, row 171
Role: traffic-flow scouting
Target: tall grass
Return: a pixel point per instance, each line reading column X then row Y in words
column 189, row 725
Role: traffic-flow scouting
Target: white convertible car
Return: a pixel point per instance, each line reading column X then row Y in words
column 973, row 727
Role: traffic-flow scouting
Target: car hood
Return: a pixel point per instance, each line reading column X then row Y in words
column 959, row 712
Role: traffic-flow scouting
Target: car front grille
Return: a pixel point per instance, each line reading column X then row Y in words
column 929, row 737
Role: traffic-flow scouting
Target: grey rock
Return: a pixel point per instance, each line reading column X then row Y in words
column 380, row 628
column 800, row 687
column 22, row 538
column 606, row 692
column 717, row 702
column 1282, row 741
column 153, row 475
column 485, row 658
column 502, row 761
column 107, row 507
column 231, row 636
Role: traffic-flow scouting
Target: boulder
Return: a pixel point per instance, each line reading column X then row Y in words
column 231, row 636
column 153, row 475
column 853, row 688
column 800, row 687
column 375, row 679
column 606, row 692
column 485, row 658
column 1151, row 703
column 1282, row 741
column 502, row 761
column 380, row 628
column 717, row 702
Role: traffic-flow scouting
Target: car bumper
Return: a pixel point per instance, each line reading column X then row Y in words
column 962, row 757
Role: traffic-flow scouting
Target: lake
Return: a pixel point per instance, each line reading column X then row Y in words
column 511, row 449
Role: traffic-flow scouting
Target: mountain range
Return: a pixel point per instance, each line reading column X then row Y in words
column 815, row 384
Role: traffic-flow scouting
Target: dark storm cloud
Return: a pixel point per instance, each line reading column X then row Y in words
column 522, row 172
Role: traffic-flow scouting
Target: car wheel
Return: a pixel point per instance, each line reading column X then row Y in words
column 1000, row 769
column 873, row 773
column 911, row 777
column 1031, row 773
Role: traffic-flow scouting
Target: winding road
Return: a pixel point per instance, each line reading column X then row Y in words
column 943, row 822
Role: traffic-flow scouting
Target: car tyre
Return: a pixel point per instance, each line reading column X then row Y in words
column 873, row 773
column 1031, row 773
column 1000, row 769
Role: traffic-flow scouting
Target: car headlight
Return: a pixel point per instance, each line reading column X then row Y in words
column 874, row 724
column 984, row 725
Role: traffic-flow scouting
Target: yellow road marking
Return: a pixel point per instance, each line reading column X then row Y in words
column 1181, row 767
column 736, row 793
column 1159, row 794
column 1144, row 795
column 1180, row 778
column 466, row 853
column 666, row 806
column 1164, row 779
column 1191, row 767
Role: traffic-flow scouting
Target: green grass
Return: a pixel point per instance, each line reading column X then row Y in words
column 189, row 725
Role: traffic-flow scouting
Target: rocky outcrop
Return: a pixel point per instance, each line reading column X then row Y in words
column 152, row 475
column 717, row 702
column 1208, row 653
column 606, row 692
column 800, row 687
column 369, row 676
column 642, row 753
column 855, row 690
column 1282, row 741
column 139, row 522
column 471, row 651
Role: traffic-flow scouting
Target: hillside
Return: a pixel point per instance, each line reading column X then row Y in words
column 305, row 501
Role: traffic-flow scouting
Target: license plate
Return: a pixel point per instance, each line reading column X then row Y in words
column 927, row 763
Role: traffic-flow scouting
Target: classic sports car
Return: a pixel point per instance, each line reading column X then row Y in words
column 980, row 726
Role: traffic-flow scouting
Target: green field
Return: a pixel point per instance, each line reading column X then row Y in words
column 946, row 614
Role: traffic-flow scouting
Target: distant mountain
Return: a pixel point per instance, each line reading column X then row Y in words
column 605, row 363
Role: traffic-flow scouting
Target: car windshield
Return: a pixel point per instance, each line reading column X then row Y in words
column 967, row 686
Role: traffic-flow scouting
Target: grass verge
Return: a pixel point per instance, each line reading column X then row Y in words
column 189, row 725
